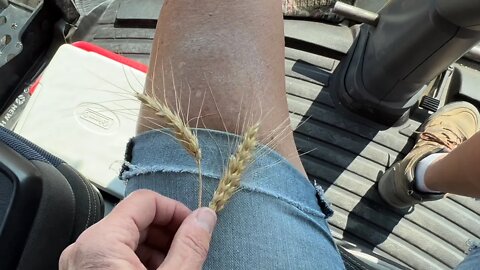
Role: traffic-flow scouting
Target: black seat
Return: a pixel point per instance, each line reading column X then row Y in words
column 44, row 205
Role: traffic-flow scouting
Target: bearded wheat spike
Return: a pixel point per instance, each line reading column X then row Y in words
column 180, row 130
column 237, row 164
column 175, row 123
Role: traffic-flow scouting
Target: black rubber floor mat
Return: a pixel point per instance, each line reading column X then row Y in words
column 349, row 152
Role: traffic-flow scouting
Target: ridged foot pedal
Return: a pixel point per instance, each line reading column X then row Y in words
column 430, row 104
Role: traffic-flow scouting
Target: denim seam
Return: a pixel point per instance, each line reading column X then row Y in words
column 292, row 203
column 325, row 205
column 135, row 170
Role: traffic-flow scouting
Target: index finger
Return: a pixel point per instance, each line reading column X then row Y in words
column 145, row 208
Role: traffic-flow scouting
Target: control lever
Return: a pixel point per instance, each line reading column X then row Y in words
column 356, row 14
column 14, row 18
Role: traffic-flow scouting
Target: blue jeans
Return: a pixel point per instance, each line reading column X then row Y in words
column 275, row 221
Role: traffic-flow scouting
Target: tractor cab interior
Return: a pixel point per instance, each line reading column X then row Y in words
column 358, row 88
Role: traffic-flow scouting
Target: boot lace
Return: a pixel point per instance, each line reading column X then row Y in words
column 445, row 137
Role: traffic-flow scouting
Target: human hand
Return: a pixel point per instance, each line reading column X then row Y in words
column 144, row 231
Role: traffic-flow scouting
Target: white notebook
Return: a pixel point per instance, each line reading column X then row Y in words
column 83, row 112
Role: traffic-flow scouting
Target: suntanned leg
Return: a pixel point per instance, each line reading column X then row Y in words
column 457, row 172
column 214, row 56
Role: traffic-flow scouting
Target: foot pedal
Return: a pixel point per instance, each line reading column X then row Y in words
column 429, row 103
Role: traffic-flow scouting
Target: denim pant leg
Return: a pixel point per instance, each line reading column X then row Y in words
column 275, row 221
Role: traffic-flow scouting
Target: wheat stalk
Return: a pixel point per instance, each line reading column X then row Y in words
column 180, row 130
column 237, row 164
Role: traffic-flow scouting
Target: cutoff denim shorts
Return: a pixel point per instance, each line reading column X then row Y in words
column 277, row 220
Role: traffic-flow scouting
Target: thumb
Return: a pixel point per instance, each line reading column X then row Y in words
column 190, row 245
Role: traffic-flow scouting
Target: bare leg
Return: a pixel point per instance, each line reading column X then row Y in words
column 228, row 56
column 457, row 172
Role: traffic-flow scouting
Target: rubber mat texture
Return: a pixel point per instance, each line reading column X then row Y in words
column 345, row 154
column 85, row 6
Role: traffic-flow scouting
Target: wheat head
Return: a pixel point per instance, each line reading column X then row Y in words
column 174, row 122
column 237, row 165
column 181, row 132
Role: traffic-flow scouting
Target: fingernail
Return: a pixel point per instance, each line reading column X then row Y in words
column 206, row 218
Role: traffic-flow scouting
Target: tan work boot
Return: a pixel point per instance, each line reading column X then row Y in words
column 442, row 132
